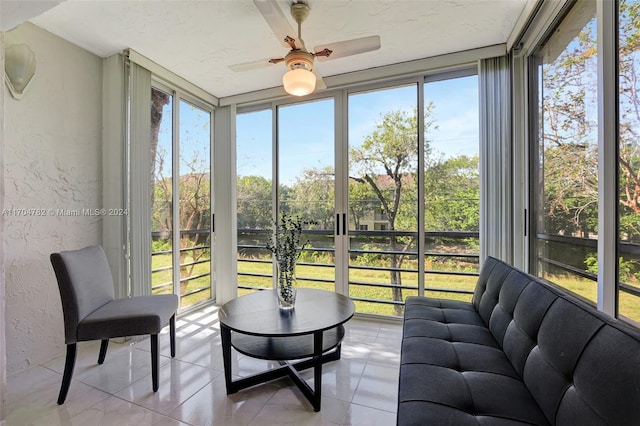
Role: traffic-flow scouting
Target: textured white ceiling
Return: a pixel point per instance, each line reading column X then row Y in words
column 198, row 40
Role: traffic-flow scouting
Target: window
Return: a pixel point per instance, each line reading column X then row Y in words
column 451, row 185
column 629, row 161
column 565, row 154
column 181, row 197
column 360, row 182
column 254, row 192
column 383, row 169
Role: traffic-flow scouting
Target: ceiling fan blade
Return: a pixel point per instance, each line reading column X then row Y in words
column 274, row 16
column 320, row 84
column 348, row 47
column 253, row 65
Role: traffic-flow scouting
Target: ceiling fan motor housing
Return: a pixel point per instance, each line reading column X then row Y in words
column 299, row 59
column 300, row 12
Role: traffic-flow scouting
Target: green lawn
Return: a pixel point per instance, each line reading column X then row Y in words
column 166, row 276
column 629, row 304
column 409, row 278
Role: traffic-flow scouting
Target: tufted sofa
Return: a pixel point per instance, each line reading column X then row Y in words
column 522, row 352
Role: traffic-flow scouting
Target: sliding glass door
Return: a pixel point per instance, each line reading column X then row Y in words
column 181, row 197
column 390, row 199
column 383, row 198
column 306, row 184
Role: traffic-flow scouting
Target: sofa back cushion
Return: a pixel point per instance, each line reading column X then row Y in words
column 581, row 366
column 487, row 291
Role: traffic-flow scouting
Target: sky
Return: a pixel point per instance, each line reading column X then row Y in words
column 195, row 130
column 306, row 130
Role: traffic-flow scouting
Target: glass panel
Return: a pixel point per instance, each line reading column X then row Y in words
column 195, row 204
column 306, row 179
column 161, row 192
column 254, row 205
column 629, row 161
column 566, row 200
column 383, row 203
column 451, row 187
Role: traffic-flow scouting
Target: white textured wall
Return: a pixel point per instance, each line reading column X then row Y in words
column 3, row 345
column 52, row 150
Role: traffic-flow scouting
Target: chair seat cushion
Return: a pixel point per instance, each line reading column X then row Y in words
column 128, row 317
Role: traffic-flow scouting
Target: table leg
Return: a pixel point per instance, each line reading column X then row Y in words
column 317, row 369
column 225, row 335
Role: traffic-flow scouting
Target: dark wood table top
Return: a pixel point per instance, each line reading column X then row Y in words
column 258, row 313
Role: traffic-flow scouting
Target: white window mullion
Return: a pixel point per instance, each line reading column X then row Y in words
column 175, row 192
column 607, row 156
column 342, row 191
column 421, row 194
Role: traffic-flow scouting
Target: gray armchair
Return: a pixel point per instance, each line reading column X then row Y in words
column 91, row 312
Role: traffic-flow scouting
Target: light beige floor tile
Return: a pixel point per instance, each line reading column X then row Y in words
column 358, row 389
column 117, row 412
column 378, row 388
column 26, row 381
column 289, row 407
column 359, row 415
column 339, row 378
column 391, row 331
column 178, row 382
column 38, row 406
column 205, row 354
column 357, row 349
column 212, row 406
column 87, row 356
column 120, row 371
column 385, row 351
column 362, row 328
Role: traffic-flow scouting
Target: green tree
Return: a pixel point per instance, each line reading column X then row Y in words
column 387, row 161
column 452, row 188
column 313, row 196
column 362, row 201
column 194, row 212
column 569, row 131
column 254, row 202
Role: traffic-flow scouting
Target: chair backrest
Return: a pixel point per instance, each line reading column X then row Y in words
column 85, row 284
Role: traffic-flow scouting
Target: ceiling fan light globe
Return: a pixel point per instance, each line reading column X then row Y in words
column 299, row 82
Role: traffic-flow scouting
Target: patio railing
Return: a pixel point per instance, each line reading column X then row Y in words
column 451, row 259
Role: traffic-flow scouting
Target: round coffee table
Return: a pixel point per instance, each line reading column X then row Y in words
column 312, row 331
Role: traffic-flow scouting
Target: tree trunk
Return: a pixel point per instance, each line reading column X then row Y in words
column 396, row 278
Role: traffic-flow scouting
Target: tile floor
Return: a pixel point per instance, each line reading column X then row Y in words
column 359, row 389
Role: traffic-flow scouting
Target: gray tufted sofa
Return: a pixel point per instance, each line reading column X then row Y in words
column 522, row 352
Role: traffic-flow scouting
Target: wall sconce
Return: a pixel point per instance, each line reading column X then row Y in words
column 19, row 68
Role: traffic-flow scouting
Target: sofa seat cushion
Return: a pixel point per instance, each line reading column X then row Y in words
column 453, row 371
column 434, row 395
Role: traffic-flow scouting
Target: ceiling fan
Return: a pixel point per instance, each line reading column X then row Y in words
column 301, row 78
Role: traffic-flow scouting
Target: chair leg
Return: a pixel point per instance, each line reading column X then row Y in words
column 68, row 372
column 172, row 335
column 155, row 360
column 103, row 351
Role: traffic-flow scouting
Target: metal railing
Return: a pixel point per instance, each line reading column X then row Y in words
column 368, row 243
column 186, row 279
column 587, row 243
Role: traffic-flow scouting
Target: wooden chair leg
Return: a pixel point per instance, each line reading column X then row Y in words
column 103, row 351
column 172, row 335
column 68, row 372
column 155, row 360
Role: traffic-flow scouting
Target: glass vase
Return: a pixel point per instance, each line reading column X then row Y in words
column 286, row 287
